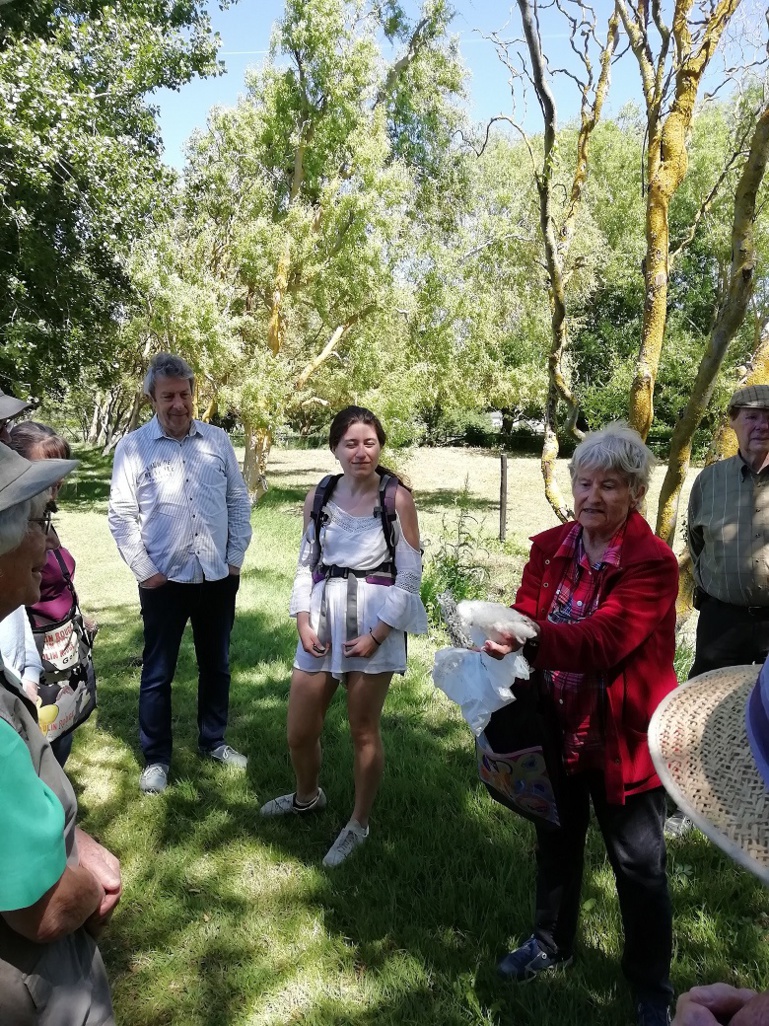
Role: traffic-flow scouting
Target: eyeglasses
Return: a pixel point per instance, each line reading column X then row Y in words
column 44, row 521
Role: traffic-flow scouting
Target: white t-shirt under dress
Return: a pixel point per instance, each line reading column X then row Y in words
column 359, row 543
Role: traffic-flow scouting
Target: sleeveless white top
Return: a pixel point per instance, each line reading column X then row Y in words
column 359, row 543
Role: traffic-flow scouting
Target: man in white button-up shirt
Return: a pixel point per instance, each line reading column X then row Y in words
column 180, row 514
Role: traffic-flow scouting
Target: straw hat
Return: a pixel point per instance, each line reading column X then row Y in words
column 709, row 740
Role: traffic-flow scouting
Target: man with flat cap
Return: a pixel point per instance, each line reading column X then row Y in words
column 728, row 537
column 10, row 408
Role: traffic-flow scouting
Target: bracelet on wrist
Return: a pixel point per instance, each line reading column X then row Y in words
column 376, row 640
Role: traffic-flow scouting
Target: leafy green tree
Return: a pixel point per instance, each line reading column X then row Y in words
column 81, row 177
column 478, row 327
column 304, row 199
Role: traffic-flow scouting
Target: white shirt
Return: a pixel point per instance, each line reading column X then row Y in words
column 179, row 507
column 18, row 649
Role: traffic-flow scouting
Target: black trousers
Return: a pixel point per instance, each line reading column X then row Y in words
column 728, row 636
column 635, row 844
column 210, row 607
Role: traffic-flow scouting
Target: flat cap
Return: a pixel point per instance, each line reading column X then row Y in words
column 753, row 396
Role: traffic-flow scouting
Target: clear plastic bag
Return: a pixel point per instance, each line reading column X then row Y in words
column 477, row 683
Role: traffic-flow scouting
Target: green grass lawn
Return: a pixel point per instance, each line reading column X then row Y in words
column 229, row 920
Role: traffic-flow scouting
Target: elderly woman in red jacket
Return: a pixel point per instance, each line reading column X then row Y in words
column 602, row 592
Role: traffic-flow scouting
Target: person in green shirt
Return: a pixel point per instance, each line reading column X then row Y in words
column 58, row 886
column 32, row 853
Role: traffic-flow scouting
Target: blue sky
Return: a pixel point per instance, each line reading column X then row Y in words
column 245, row 31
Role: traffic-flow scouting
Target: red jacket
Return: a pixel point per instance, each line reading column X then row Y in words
column 630, row 638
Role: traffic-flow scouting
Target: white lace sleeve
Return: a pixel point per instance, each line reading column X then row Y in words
column 302, row 590
column 403, row 608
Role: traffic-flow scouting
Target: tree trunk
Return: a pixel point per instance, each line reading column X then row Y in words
column 685, row 599
column 728, row 322
column 136, row 405
column 665, row 166
column 655, row 305
column 549, row 457
column 258, row 444
column 557, row 240
column 276, row 328
column 211, row 410
column 724, row 442
column 93, row 432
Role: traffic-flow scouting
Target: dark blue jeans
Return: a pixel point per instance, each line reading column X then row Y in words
column 210, row 608
column 635, row 844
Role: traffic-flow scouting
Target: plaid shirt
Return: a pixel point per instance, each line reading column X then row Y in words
column 728, row 532
column 579, row 697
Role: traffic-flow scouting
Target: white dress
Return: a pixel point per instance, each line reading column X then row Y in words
column 359, row 543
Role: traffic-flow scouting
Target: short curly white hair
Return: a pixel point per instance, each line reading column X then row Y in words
column 615, row 447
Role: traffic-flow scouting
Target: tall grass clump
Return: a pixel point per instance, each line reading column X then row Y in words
column 459, row 561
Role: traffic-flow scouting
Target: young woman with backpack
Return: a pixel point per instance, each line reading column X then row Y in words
column 356, row 593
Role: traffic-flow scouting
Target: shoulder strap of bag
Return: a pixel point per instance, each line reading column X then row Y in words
column 65, row 574
column 385, row 510
column 318, row 514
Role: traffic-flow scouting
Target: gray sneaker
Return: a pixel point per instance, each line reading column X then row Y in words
column 154, row 778
column 286, row 805
column 351, row 836
column 227, row 756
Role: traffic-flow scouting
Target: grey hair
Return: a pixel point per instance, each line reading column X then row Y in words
column 14, row 521
column 166, row 365
column 615, row 447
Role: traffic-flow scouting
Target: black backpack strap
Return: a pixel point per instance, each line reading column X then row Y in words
column 65, row 574
column 318, row 515
column 388, row 486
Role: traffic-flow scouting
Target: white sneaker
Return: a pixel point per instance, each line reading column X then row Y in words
column 286, row 805
column 349, row 839
column 154, row 778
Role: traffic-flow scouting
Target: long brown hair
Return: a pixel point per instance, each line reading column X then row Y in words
column 37, row 441
column 345, row 419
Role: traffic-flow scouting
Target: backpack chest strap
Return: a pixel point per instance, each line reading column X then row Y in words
column 384, row 575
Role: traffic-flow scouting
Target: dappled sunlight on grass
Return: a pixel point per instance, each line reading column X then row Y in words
column 229, row 919
column 100, row 764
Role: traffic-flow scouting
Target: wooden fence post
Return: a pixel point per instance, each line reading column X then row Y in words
column 503, row 499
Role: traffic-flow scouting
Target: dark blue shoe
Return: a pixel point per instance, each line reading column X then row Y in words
column 529, row 961
column 649, row 1013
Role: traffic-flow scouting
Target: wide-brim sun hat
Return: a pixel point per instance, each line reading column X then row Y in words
column 10, row 406
column 709, row 740
column 20, row 479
